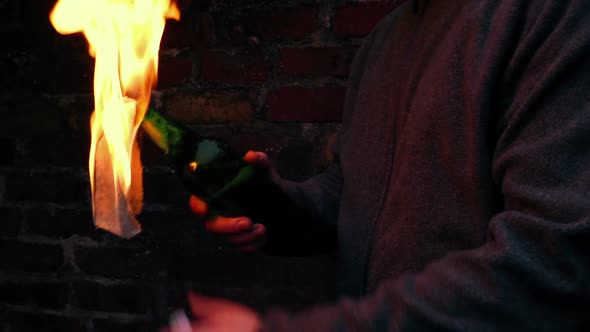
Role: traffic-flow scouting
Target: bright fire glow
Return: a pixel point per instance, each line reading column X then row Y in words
column 124, row 38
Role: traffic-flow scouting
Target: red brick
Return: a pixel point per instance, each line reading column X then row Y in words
column 301, row 104
column 119, row 262
column 284, row 24
column 30, row 257
column 47, row 295
column 29, row 322
column 42, row 187
column 211, row 107
column 241, row 143
column 205, row 26
column 115, row 298
column 243, row 67
column 358, row 19
column 334, row 61
column 177, row 35
column 271, row 143
column 174, row 71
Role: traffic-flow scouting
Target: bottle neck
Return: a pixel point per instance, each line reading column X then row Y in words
column 162, row 131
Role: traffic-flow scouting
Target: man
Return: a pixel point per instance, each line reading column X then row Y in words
column 461, row 190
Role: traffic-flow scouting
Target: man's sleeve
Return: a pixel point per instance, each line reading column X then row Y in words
column 313, row 230
column 533, row 273
column 320, row 195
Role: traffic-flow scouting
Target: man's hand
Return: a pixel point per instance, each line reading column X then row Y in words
column 217, row 315
column 238, row 232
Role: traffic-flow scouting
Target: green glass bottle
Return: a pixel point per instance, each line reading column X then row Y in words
column 210, row 169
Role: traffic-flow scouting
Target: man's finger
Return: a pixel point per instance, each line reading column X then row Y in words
column 198, row 206
column 256, row 233
column 257, row 158
column 224, row 225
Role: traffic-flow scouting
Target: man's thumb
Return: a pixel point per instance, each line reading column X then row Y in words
column 198, row 206
column 203, row 306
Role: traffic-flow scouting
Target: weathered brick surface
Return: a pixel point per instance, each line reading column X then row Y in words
column 29, row 118
column 63, row 223
column 51, row 295
column 269, row 143
column 247, row 66
column 281, row 24
column 64, row 149
column 123, row 298
column 30, row 257
column 67, row 75
column 211, row 107
column 333, row 61
column 8, row 152
column 177, row 35
column 252, row 73
column 205, row 34
column 45, row 187
column 173, row 72
column 11, row 219
column 299, row 104
column 132, row 262
column 75, row 113
column 33, row 322
column 358, row 19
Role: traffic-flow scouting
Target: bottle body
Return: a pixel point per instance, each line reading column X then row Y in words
column 210, row 169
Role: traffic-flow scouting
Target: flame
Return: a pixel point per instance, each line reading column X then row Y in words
column 124, row 38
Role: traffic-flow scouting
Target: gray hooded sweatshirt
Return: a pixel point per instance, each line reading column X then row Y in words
column 461, row 186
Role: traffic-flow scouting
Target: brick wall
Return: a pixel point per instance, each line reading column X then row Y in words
column 267, row 75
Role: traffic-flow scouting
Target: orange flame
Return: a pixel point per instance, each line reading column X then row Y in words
column 124, row 38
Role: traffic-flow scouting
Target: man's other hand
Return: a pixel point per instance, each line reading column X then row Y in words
column 237, row 232
column 217, row 315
